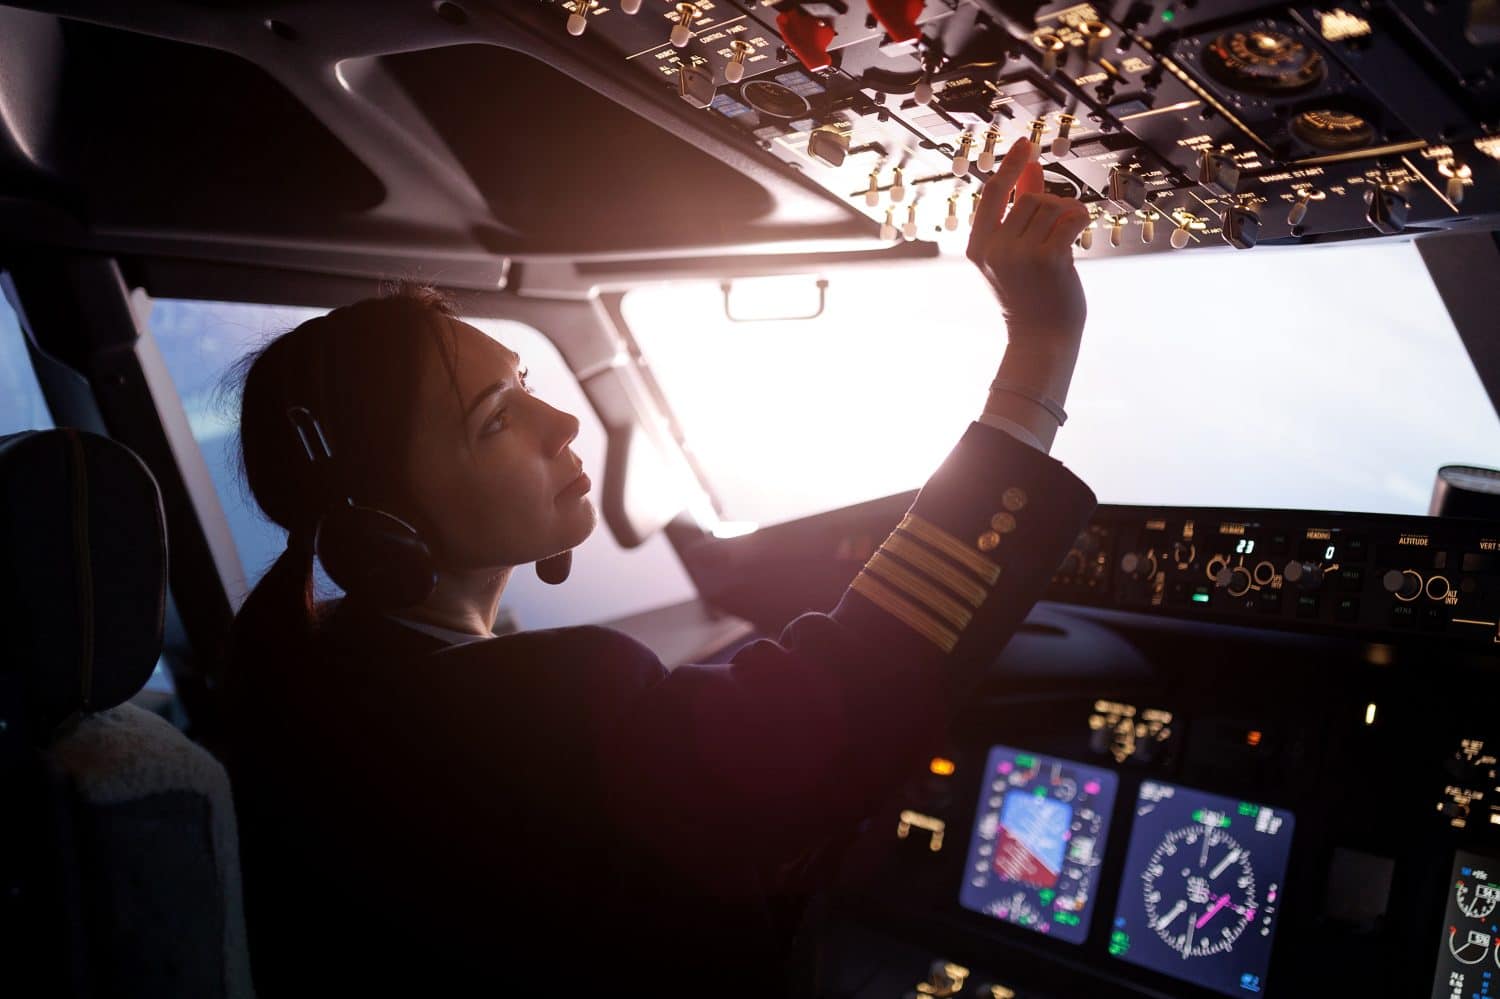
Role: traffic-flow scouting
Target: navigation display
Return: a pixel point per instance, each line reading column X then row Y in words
column 1201, row 890
column 1038, row 841
column 1468, row 958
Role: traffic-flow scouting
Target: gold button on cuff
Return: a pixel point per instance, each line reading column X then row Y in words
column 989, row 541
column 1003, row 522
column 1013, row 499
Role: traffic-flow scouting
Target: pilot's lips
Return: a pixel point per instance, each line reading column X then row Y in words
column 576, row 488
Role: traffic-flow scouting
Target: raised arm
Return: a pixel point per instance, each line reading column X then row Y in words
column 745, row 765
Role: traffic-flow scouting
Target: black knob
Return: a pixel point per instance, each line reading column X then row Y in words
column 1138, row 566
column 1241, row 228
column 1386, row 209
column 1405, row 584
column 1308, row 575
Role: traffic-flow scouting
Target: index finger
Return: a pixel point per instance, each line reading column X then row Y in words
column 997, row 192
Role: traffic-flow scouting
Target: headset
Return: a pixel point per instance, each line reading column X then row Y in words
column 368, row 552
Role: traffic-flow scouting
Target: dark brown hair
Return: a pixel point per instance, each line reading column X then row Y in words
column 357, row 370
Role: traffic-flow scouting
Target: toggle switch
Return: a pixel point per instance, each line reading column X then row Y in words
column 1458, row 175
column 1052, row 47
column 909, row 230
column 578, row 21
column 682, row 31
column 961, row 158
column 1038, row 126
column 922, row 92
column 1127, row 188
column 1116, row 230
column 898, row 186
column 888, row 227
column 872, row 195
column 1062, row 145
column 1094, row 34
column 1181, row 236
column 1298, row 211
column 696, row 86
column 951, row 221
column 807, row 36
column 1148, row 218
column 898, row 18
column 973, row 208
column 734, row 72
column 630, row 6
column 987, row 154
column 1086, row 238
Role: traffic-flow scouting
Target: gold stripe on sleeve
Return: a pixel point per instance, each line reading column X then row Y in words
column 944, row 572
column 872, row 590
column 920, row 590
column 930, row 534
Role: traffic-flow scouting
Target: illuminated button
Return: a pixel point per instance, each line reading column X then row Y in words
column 989, row 541
column 942, row 766
column 1438, row 588
column 1013, row 499
column 1003, row 522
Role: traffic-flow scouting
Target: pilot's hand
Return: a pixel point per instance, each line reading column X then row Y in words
column 1027, row 254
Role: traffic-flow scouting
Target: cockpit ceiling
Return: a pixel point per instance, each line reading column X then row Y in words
column 377, row 127
column 482, row 129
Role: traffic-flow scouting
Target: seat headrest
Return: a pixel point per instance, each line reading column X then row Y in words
column 83, row 573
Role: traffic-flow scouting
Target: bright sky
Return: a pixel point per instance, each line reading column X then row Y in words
column 1315, row 377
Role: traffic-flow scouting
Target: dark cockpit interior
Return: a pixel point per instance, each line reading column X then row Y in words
column 1246, row 743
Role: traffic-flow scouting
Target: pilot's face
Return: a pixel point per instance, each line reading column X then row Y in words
column 495, row 479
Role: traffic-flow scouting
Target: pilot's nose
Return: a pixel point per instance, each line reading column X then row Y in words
column 561, row 429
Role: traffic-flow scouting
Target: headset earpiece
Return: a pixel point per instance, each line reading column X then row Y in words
column 376, row 556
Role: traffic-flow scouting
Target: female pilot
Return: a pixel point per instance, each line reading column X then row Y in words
column 427, row 807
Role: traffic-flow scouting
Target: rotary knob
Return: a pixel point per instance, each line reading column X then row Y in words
column 1138, row 566
column 1236, row 580
column 1308, row 575
column 1404, row 583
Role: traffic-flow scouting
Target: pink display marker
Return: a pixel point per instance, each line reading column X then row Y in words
column 1214, row 911
column 1092, row 787
column 1006, row 767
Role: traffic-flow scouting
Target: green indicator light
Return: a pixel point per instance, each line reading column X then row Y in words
column 1168, row 15
column 1067, row 918
column 1248, row 809
column 1200, row 598
column 1041, row 792
column 1025, row 761
column 1046, row 895
column 1198, row 816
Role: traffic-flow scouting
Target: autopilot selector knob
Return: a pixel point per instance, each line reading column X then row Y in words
column 1235, row 579
column 1403, row 583
column 1137, row 565
column 1307, row 575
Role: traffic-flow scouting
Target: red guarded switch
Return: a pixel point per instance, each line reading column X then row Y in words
column 807, row 36
column 898, row 18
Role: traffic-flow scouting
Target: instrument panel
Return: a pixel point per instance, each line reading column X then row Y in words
column 1180, row 124
column 1338, row 573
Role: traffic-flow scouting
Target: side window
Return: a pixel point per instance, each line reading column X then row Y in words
column 201, row 340
column 21, row 404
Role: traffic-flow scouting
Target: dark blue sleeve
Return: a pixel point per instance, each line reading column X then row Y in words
column 745, row 765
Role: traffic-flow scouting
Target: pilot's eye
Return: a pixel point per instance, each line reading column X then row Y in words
column 494, row 424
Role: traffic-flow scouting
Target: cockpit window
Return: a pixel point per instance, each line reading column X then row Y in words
column 21, row 403
column 200, row 340
column 1330, row 378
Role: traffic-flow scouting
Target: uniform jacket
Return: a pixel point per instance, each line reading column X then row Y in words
column 461, row 810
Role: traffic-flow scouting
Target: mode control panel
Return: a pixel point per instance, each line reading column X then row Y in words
column 1309, row 570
